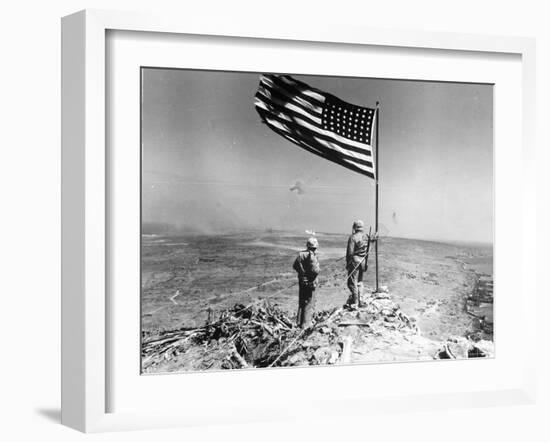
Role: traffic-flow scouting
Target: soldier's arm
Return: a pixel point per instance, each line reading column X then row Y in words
column 314, row 267
column 351, row 249
column 298, row 266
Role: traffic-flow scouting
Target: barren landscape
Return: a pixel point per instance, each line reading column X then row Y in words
column 444, row 290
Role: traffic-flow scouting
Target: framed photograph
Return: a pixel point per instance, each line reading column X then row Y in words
column 253, row 213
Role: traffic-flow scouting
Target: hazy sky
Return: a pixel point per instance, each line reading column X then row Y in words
column 209, row 164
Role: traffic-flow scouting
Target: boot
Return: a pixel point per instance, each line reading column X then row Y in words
column 351, row 303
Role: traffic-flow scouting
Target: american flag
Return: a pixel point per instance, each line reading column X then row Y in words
column 318, row 122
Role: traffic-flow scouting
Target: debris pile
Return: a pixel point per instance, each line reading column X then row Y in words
column 242, row 336
column 346, row 336
column 463, row 348
column 262, row 335
column 479, row 305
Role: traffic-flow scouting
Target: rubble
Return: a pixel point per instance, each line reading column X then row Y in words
column 241, row 336
column 262, row 335
column 464, row 348
column 430, row 278
column 479, row 305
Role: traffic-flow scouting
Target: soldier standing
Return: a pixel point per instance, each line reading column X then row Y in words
column 307, row 267
column 356, row 262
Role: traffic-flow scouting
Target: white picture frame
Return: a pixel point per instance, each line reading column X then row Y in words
column 86, row 203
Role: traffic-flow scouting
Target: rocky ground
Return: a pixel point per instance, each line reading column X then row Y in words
column 261, row 335
column 190, row 281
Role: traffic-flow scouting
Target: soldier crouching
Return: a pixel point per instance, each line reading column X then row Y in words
column 307, row 267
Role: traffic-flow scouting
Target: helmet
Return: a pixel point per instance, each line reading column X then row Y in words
column 312, row 243
column 358, row 225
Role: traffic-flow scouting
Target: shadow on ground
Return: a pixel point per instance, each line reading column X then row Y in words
column 51, row 414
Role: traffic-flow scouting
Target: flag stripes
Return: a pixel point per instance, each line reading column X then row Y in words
column 312, row 137
column 318, row 122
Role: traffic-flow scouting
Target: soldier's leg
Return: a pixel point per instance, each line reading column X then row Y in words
column 349, row 283
column 352, row 285
column 360, row 292
column 309, row 308
column 301, row 304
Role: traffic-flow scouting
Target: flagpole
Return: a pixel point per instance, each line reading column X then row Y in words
column 377, row 174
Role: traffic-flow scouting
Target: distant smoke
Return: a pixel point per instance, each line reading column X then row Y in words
column 298, row 187
column 394, row 217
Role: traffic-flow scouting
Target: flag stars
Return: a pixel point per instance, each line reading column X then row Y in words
column 348, row 121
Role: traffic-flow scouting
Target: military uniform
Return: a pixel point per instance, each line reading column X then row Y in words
column 356, row 264
column 307, row 267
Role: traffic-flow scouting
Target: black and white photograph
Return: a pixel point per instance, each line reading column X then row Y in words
column 292, row 220
column 232, row 221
